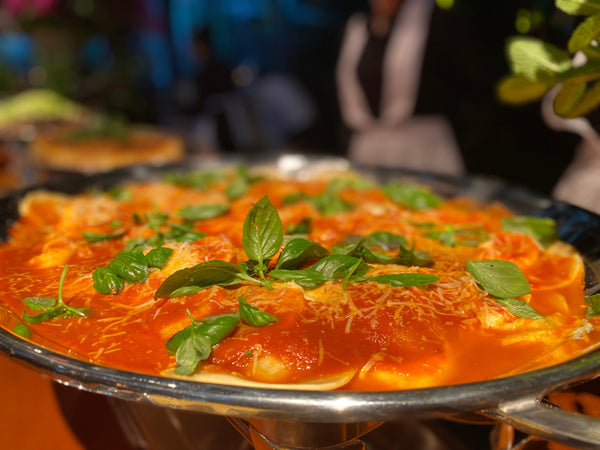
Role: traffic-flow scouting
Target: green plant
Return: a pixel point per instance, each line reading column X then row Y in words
column 538, row 66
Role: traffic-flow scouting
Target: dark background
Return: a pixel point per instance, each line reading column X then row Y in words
column 136, row 59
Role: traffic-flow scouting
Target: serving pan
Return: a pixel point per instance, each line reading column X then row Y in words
column 311, row 419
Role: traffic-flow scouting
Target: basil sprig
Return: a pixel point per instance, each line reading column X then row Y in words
column 194, row 343
column 52, row 308
column 505, row 281
column 262, row 238
column 346, row 268
column 542, row 229
column 371, row 249
column 129, row 266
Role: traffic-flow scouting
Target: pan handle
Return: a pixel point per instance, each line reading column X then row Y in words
column 540, row 418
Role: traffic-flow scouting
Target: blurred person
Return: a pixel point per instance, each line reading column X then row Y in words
column 378, row 78
column 210, row 90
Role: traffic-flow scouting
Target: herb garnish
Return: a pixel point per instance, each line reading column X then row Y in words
column 371, row 249
column 262, row 238
column 542, row 229
column 53, row 308
column 262, row 234
column 505, row 281
column 130, row 266
column 194, row 343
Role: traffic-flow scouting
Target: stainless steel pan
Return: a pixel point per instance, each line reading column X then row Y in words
column 296, row 419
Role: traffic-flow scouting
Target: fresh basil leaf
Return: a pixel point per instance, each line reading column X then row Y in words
column 191, row 236
column 500, row 278
column 262, row 232
column 119, row 193
column 405, row 279
column 304, row 227
column 138, row 242
column 238, row 187
column 339, row 266
column 542, row 229
column 359, row 184
column 447, row 236
column 185, row 291
column 298, row 251
column 101, row 237
column 215, row 328
column 187, row 357
column 294, row 198
column 385, row 240
column 195, row 179
column 157, row 257
column 40, row 303
column 330, row 203
column 411, row 196
column 593, row 309
column 211, row 273
column 351, row 246
column 155, row 219
column 131, row 266
column 254, row 316
column 520, row 308
column 308, row 277
column 22, row 330
column 202, row 212
column 411, row 257
column 53, row 313
column 106, row 281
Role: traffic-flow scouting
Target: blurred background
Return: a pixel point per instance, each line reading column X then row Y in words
column 259, row 76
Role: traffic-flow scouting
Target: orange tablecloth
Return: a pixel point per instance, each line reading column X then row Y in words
column 30, row 416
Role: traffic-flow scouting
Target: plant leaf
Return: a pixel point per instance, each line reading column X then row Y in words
column 40, row 303
column 338, row 266
column 586, row 31
column 411, row 196
column 131, row 266
column 157, row 257
column 579, row 7
column 215, row 328
column 500, row 278
column 262, row 232
column 308, row 277
column 106, row 281
column 298, row 251
column 211, row 273
column 520, row 308
column 202, row 212
column 542, row 229
column 519, row 90
column 567, row 98
column 405, row 279
column 254, row 316
column 537, row 60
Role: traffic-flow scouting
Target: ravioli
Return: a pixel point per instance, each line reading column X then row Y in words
column 244, row 278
